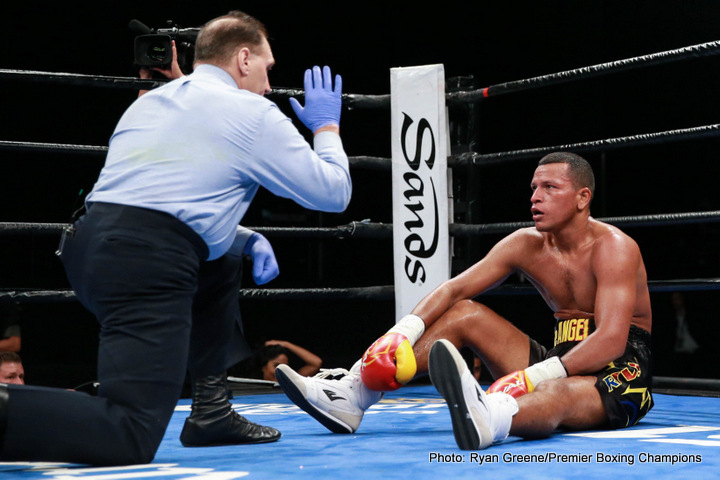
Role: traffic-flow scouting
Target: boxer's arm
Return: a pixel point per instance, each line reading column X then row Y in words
column 390, row 362
column 615, row 262
column 521, row 382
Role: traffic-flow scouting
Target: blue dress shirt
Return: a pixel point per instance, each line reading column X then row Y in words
column 199, row 147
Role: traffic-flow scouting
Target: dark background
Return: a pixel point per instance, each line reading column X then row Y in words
column 483, row 42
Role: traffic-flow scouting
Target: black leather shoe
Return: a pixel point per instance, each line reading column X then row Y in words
column 213, row 422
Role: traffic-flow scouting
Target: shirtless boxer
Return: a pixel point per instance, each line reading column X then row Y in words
column 597, row 375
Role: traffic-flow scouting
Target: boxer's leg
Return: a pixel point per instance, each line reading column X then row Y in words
column 571, row 403
column 339, row 402
column 478, row 419
column 501, row 346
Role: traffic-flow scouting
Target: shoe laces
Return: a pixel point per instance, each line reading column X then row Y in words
column 331, row 374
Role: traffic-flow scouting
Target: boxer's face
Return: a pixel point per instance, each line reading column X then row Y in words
column 555, row 199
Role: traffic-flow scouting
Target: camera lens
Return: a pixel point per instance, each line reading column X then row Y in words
column 156, row 52
column 153, row 50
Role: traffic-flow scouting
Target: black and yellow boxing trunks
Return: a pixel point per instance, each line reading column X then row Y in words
column 625, row 384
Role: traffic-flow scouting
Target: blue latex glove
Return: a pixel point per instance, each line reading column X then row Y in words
column 322, row 103
column 265, row 266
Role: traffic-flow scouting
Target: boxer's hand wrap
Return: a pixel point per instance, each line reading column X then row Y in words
column 389, row 363
column 411, row 326
column 521, row 382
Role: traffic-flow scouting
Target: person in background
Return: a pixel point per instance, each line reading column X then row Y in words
column 11, row 368
column 275, row 352
column 10, row 339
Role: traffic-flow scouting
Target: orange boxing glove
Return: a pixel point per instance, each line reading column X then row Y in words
column 389, row 363
column 519, row 383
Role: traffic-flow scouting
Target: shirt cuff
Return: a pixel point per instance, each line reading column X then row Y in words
column 242, row 235
column 329, row 147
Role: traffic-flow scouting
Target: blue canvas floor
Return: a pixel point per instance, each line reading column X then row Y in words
column 408, row 436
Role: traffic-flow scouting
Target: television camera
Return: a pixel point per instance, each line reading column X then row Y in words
column 153, row 47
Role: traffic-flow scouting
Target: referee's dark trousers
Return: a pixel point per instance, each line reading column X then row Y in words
column 141, row 273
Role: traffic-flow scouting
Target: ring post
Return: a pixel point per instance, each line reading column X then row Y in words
column 420, row 147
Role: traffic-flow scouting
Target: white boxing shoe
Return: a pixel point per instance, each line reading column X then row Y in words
column 478, row 419
column 335, row 398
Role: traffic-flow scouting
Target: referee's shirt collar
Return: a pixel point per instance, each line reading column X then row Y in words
column 208, row 70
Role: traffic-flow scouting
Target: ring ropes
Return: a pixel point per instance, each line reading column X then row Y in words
column 367, row 229
column 373, row 230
